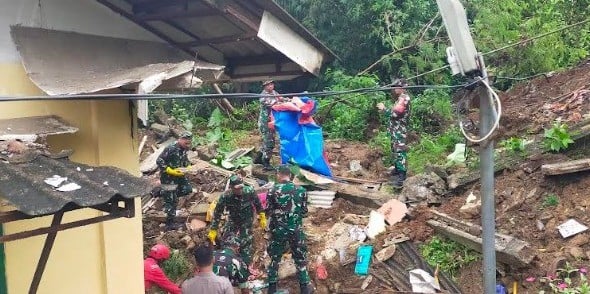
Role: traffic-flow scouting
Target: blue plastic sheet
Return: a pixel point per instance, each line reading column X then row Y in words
column 301, row 143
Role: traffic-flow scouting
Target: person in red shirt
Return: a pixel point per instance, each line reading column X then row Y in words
column 153, row 274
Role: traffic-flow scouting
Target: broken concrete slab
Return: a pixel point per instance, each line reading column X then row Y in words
column 427, row 187
column 196, row 225
column 509, row 250
column 393, row 211
column 200, row 209
column 385, row 253
column 28, row 129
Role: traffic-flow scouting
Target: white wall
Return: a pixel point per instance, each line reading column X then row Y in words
column 82, row 16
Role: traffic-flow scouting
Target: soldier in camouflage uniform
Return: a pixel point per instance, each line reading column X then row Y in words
column 398, row 117
column 287, row 206
column 240, row 201
column 174, row 157
column 226, row 263
column 268, row 135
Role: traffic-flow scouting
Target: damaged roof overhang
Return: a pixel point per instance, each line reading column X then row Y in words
column 254, row 39
column 28, row 129
column 23, row 186
column 62, row 63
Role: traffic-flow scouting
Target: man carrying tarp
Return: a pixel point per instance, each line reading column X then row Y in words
column 240, row 201
column 174, row 182
column 398, row 116
column 267, row 133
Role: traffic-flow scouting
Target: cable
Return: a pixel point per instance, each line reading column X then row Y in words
column 496, row 124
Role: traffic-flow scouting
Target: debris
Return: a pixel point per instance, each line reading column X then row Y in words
column 355, row 166
column 69, row 187
column 509, row 250
column 320, row 269
column 566, row 167
column 357, row 234
column 142, row 144
column 197, row 225
column 385, row 253
column 358, row 181
column 161, row 131
column 207, row 152
column 423, row 282
column 105, row 183
column 355, row 219
column 393, row 211
column 428, row 187
column 363, row 259
column 149, row 164
column 580, row 240
column 55, row 181
column 376, row 224
column 366, row 282
column 540, row 225
column 472, row 206
column 15, row 146
column 287, row 268
column 200, row 208
column 149, row 204
column 577, row 252
column 571, row 227
column 238, row 153
column 322, row 199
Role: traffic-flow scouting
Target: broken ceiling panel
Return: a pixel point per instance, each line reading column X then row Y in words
column 28, row 129
column 62, row 63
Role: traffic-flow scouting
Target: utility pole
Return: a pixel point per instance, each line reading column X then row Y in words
column 464, row 59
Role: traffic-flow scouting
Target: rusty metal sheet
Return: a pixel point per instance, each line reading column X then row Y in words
column 29, row 128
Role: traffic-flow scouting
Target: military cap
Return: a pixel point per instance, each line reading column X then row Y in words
column 231, row 240
column 267, row 82
column 284, row 169
column 186, row 135
column 235, row 181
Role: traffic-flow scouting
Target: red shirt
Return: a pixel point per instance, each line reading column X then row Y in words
column 153, row 274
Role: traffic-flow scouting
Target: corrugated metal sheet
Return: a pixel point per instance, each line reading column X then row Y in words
column 23, row 186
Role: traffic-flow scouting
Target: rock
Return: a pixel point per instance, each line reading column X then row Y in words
column 161, row 131
column 514, row 200
column 16, row 147
column 428, row 187
column 438, row 170
column 540, row 225
column 191, row 245
column 579, row 240
column 472, row 206
column 287, row 268
column 197, row 225
column 386, row 253
column 393, row 211
column 186, row 239
column 355, row 166
column 200, row 208
column 355, row 219
column 366, row 282
column 577, row 252
column 207, row 152
column 161, row 117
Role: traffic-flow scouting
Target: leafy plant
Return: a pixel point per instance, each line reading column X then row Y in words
column 557, row 138
column 568, row 280
column 516, row 145
column 448, row 255
column 550, row 200
column 431, row 150
column 177, row 266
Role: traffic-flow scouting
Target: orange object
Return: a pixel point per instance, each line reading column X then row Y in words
column 321, row 272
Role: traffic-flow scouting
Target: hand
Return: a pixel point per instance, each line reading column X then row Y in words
column 262, row 216
column 174, row 172
column 212, row 236
column 381, row 106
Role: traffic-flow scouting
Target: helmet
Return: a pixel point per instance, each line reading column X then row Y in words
column 186, row 135
column 235, row 181
column 231, row 240
column 267, row 82
column 284, row 169
column 159, row 252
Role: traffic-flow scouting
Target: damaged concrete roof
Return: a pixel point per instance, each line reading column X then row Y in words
column 23, row 185
column 30, row 128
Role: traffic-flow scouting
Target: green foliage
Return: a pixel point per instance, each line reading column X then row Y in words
column 177, row 267
column 557, row 138
column 433, row 150
column 448, row 255
column 513, row 144
column 550, row 200
column 431, row 112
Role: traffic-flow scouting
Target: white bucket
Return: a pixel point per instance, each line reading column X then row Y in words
column 321, row 199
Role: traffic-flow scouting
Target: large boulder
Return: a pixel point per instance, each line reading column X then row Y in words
column 427, row 187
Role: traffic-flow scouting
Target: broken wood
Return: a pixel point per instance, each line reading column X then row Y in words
column 353, row 193
column 567, row 167
column 224, row 102
column 141, row 145
column 509, row 250
column 198, row 164
column 358, row 181
column 149, row 164
column 238, row 153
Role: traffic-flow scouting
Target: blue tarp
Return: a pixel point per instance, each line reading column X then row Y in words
column 301, row 143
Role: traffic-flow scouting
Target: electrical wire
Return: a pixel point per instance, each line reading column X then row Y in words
column 498, row 111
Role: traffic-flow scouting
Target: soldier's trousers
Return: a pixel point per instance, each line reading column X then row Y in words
column 183, row 188
column 268, row 141
column 245, row 235
column 278, row 246
column 399, row 150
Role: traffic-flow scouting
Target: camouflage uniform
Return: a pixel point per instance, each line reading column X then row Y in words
column 268, row 135
column 398, row 128
column 240, row 219
column 287, row 206
column 227, row 264
column 173, row 156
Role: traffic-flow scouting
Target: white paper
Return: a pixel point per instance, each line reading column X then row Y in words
column 55, row 181
column 571, row 227
column 69, row 187
column 423, row 282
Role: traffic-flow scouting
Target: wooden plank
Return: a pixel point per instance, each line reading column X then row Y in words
column 567, row 167
column 358, row 181
column 509, row 250
column 198, row 164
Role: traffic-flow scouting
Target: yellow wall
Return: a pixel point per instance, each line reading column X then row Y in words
column 100, row 258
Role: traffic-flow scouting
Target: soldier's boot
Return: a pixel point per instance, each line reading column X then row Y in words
column 399, row 180
column 272, row 288
column 306, row 288
column 266, row 164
